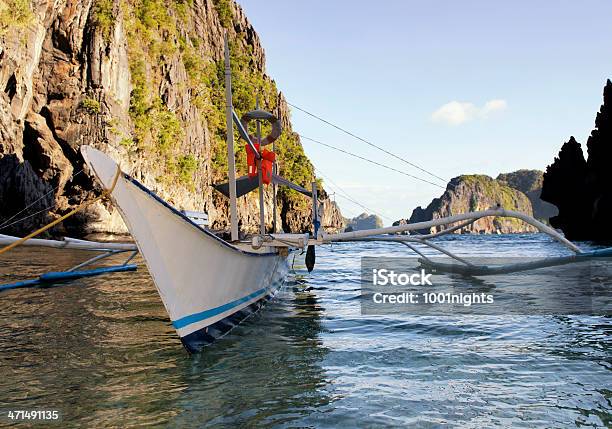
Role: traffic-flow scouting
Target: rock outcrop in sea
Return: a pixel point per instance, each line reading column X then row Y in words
column 529, row 182
column 142, row 81
column 582, row 188
column 363, row 221
column 516, row 191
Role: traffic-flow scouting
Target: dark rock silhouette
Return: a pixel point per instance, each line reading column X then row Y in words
column 582, row 189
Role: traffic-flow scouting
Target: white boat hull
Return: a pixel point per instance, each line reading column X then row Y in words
column 206, row 284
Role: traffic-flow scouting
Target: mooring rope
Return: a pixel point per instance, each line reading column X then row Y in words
column 105, row 193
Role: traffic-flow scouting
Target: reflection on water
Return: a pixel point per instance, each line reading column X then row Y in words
column 103, row 352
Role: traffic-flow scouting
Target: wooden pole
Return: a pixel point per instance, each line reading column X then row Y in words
column 262, row 215
column 316, row 223
column 274, row 191
column 231, row 167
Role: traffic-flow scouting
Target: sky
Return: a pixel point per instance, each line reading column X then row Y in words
column 470, row 87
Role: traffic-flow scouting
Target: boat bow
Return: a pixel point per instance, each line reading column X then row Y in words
column 206, row 284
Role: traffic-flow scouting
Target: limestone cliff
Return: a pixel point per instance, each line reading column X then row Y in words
column 582, row 189
column 363, row 221
column 529, row 182
column 475, row 192
column 142, row 81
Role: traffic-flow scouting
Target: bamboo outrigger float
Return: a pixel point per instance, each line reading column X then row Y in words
column 106, row 250
column 208, row 285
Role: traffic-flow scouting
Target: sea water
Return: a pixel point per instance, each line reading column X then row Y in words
column 102, row 352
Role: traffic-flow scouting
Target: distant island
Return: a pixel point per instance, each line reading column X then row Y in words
column 363, row 221
column 519, row 191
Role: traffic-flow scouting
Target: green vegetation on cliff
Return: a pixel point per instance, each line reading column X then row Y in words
column 14, row 14
column 486, row 192
column 104, row 17
column 91, row 105
column 224, row 10
column 158, row 33
column 530, row 183
column 488, row 189
column 477, row 192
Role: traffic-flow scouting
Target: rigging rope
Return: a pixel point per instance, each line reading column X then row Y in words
column 4, row 224
column 370, row 211
column 347, row 212
column 370, row 161
column 348, row 197
column 46, row 209
column 367, row 142
column 104, row 194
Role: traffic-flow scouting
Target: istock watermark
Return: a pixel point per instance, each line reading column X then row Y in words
column 384, row 277
column 404, row 285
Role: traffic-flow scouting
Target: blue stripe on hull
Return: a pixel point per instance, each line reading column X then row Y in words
column 197, row 317
column 201, row 338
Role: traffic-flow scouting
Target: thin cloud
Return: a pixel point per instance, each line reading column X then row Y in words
column 457, row 112
column 493, row 106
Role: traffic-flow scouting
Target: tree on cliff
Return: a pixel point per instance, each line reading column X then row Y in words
column 582, row 189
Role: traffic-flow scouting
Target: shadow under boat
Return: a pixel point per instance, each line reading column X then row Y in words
column 269, row 368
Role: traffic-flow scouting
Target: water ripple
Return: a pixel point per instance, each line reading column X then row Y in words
column 103, row 352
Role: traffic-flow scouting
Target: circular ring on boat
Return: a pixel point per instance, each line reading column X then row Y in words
column 263, row 116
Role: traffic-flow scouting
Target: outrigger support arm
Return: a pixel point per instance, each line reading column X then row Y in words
column 70, row 243
column 382, row 234
column 464, row 267
column 469, row 217
column 108, row 249
column 448, row 230
column 405, row 240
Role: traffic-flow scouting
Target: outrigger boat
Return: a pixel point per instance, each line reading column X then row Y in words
column 208, row 284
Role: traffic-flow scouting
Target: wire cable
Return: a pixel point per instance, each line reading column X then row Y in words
column 370, row 161
column 367, row 142
column 360, row 205
column 348, row 197
column 4, row 224
column 46, row 209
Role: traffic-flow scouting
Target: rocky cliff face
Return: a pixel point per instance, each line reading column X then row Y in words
column 582, row 189
column 143, row 82
column 471, row 193
column 363, row 221
column 529, row 182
